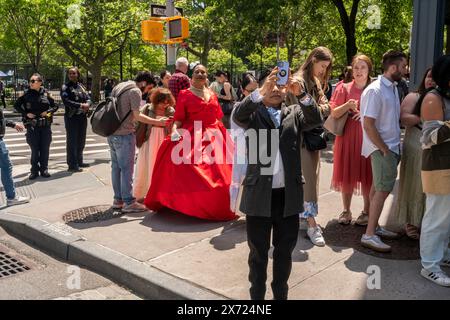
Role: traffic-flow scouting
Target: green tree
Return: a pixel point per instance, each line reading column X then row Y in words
column 104, row 29
column 27, row 25
column 224, row 60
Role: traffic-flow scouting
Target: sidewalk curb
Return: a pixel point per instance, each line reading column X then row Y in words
column 143, row 279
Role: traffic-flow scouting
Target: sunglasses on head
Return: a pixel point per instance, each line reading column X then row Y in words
column 34, row 81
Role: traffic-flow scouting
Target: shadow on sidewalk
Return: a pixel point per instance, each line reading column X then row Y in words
column 167, row 220
column 340, row 237
column 231, row 235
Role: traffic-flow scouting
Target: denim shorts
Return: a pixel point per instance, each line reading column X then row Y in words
column 384, row 170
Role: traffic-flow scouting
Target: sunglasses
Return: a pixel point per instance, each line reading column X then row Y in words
column 34, row 81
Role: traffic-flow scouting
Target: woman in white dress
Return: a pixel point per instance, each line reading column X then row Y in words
column 150, row 137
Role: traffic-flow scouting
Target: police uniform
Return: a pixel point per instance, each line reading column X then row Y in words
column 39, row 133
column 75, row 118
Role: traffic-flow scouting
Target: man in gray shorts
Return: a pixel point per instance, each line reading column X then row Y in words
column 380, row 117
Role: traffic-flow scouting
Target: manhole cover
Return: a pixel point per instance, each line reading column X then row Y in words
column 91, row 214
column 10, row 266
column 338, row 235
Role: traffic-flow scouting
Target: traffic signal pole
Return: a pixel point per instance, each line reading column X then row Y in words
column 171, row 49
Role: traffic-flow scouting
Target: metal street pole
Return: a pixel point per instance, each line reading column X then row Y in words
column 171, row 50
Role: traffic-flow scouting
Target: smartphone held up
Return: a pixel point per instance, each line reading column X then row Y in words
column 283, row 73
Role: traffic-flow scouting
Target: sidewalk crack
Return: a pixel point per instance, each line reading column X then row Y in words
column 320, row 271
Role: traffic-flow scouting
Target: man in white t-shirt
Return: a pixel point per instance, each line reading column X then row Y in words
column 380, row 117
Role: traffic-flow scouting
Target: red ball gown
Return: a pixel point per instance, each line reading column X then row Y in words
column 193, row 176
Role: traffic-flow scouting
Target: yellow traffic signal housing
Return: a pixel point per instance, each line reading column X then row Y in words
column 178, row 28
column 152, row 31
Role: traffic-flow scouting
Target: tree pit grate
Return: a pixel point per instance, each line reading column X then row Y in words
column 91, row 214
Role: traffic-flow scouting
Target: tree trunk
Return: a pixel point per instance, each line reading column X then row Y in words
column 204, row 57
column 348, row 24
column 351, row 47
column 96, row 71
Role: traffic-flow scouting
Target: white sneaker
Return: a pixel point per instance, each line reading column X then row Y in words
column 439, row 278
column 374, row 243
column 134, row 208
column 316, row 237
column 17, row 200
column 386, row 234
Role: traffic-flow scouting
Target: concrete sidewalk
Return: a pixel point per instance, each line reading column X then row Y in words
column 170, row 256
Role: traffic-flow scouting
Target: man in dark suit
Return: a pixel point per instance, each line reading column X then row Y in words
column 273, row 187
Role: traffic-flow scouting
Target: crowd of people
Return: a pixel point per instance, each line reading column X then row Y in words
column 187, row 161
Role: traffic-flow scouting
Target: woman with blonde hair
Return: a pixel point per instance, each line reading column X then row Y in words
column 352, row 173
column 315, row 71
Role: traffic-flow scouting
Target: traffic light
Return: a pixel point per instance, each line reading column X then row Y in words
column 178, row 28
column 152, row 31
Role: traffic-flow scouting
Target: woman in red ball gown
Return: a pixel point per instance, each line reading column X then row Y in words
column 192, row 173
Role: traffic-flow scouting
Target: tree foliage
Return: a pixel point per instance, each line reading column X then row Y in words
column 225, row 34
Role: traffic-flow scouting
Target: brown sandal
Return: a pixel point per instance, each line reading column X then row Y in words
column 412, row 232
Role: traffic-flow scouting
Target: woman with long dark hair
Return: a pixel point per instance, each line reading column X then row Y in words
column 435, row 113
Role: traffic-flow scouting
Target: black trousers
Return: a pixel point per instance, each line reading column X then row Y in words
column 2, row 97
column 285, row 234
column 76, row 139
column 39, row 140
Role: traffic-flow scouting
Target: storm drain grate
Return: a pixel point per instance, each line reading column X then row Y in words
column 91, row 214
column 9, row 266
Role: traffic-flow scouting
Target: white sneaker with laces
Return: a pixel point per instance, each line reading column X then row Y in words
column 316, row 237
column 374, row 243
column 134, row 208
column 386, row 234
column 439, row 278
column 17, row 201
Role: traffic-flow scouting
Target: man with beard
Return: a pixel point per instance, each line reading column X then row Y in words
column 380, row 117
column 122, row 142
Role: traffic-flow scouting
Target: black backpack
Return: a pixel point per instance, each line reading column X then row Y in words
column 106, row 120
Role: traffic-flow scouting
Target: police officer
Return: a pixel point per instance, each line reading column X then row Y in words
column 77, row 103
column 37, row 108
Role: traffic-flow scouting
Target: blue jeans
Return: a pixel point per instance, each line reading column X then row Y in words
column 434, row 237
column 6, row 171
column 123, row 149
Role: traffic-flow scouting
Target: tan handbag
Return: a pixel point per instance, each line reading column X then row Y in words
column 336, row 126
